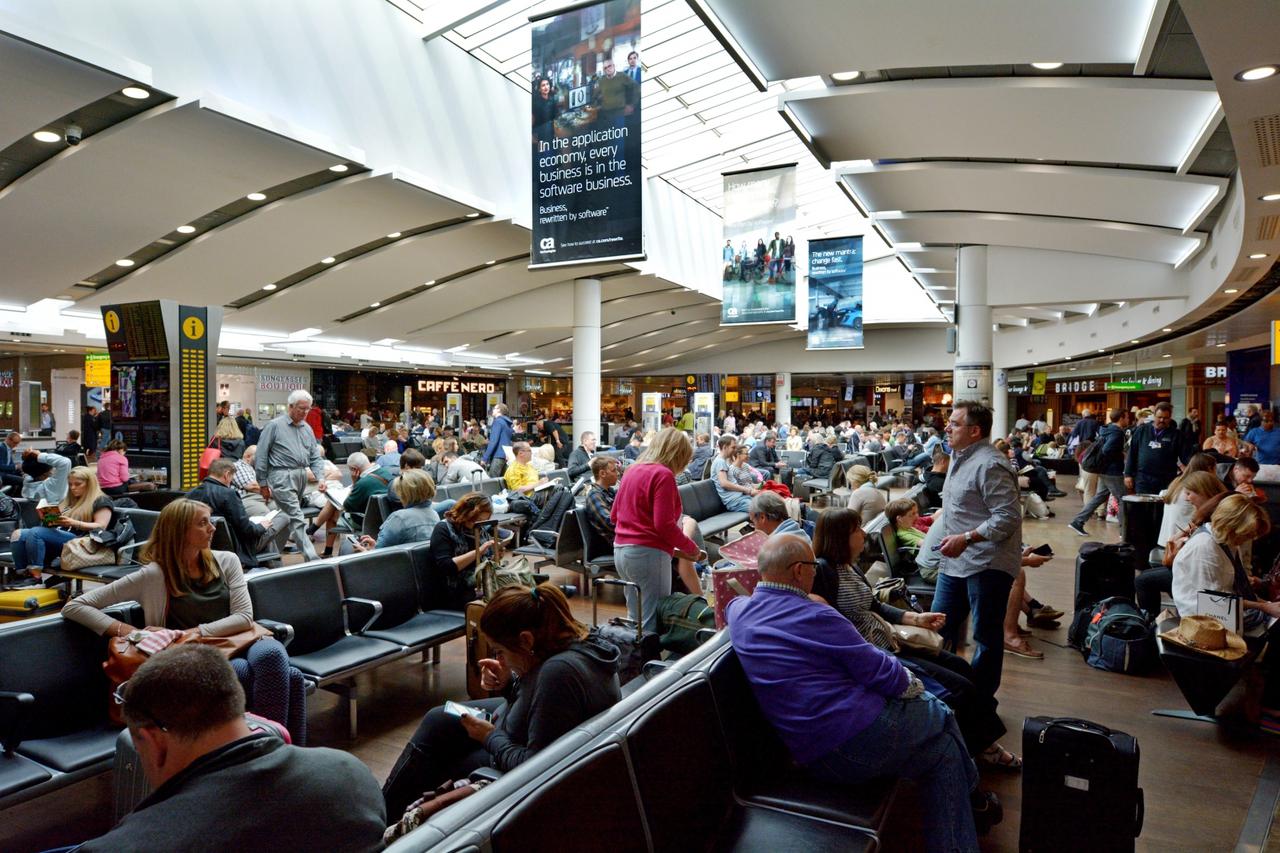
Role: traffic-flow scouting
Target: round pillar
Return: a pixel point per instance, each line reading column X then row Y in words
column 586, row 357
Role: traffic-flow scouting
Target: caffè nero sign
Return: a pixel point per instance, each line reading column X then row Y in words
column 454, row 386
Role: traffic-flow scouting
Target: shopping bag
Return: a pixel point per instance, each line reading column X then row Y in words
column 1223, row 606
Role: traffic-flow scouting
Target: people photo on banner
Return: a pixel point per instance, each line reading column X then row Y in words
column 759, row 252
column 586, row 81
column 835, row 293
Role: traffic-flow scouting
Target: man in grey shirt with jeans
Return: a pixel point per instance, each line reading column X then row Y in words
column 982, row 548
column 286, row 449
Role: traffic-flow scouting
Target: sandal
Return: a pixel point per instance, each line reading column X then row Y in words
column 997, row 756
column 1023, row 650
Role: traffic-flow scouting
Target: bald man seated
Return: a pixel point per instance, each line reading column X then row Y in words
column 847, row 711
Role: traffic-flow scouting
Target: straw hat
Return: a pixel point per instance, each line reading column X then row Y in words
column 1207, row 635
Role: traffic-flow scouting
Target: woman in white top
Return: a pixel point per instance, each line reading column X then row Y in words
column 1210, row 558
column 865, row 498
column 1184, row 496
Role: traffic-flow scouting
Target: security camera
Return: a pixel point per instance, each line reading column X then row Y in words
column 73, row 134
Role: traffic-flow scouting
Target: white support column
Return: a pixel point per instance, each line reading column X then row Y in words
column 782, row 398
column 586, row 357
column 971, row 379
column 1000, row 404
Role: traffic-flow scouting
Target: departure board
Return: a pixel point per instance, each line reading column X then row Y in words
column 135, row 332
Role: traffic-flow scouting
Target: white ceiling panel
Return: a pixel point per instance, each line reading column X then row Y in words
column 40, row 86
column 1120, row 195
column 348, row 287
column 940, row 258
column 1104, row 120
column 126, row 186
column 872, row 34
column 282, row 238
column 1044, row 232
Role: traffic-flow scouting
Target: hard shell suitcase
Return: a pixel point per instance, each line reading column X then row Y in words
column 1103, row 571
column 1079, row 787
column 477, row 650
column 23, row 603
column 129, row 785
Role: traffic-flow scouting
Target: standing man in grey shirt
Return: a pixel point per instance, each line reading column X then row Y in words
column 286, row 449
column 982, row 548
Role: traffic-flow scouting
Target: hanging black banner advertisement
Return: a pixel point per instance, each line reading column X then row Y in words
column 586, row 134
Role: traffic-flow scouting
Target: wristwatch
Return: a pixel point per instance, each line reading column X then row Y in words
column 968, row 537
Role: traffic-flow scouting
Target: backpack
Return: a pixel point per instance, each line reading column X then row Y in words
column 680, row 617
column 1116, row 638
column 1094, row 461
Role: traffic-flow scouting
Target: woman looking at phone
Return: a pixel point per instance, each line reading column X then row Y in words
column 552, row 673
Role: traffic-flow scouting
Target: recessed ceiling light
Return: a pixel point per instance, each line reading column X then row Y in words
column 125, row 262
column 268, row 287
column 1101, row 350
column 1269, row 197
column 374, row 304
column 1167, row 355
column 428, row 283
column 135, row 92
column 1257, row 256
column 340, row 167
column 1232, row 290
column 846, row 76
column 394, row 235
column 1220, row 346
column 1035, row 364
column 1166, row 329
column 1072, row 368
column 257, row 196
column 186, row 229
column 1046, row 66
column 328, row 260
column 1135, row 341
column 472, row 215
column 1262, row 72
column 489, row 263
column 46, row 136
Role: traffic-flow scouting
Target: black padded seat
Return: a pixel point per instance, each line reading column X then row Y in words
column 721, row 522
column 538, row 822
column 347, row 653
column 764, row 773
column 423, row 629
column 17, row 773
column 72, row 752
column 768, row 831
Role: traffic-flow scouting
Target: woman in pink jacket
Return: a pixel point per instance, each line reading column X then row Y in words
column 646, row 517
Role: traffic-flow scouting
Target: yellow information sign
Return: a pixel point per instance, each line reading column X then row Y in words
column 1038, row 382
column 193, row 328
column 97, row 370
column 112, row 321
column 1275, row 341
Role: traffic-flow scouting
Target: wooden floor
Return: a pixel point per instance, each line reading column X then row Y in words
column 1199, row 778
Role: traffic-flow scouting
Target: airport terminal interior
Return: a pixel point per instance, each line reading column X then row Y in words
column 655, row 425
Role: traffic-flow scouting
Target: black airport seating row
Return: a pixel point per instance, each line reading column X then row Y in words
column 702, row 503
column 703, row 768
column 354, row 613
column 54, row 696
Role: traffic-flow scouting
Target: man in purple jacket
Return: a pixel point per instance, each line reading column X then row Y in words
column 821, row 684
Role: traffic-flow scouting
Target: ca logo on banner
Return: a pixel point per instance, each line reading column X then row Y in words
column 547, row 244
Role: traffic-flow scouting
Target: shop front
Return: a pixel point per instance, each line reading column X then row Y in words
column 1206, row 392
column 545, row 396
column 1066, row 398
column 382, row 394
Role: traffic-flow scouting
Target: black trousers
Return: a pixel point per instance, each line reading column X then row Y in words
column 1148, row 585
column 439, row 750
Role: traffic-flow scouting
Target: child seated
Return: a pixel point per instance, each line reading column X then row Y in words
column 902, row 514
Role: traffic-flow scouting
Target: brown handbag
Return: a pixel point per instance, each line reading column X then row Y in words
column 124, row 658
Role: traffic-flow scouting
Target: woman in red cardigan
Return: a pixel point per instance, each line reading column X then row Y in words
column 646, row 517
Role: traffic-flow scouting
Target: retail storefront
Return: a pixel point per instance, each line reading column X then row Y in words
column 382, row 394
column 1207, row 392
column 262, row 391
column 1061, row 399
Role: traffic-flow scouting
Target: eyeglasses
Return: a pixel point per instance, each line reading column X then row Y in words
column 805, row 563
column 118, row 695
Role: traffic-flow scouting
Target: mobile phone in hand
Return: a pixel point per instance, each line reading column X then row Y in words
column 1043, row 550
column 457, row 709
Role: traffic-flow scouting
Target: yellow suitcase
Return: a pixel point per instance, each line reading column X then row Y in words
column 17, row 604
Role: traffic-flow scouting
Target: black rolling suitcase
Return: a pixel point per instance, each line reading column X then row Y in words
column 1079, row 787
column 637, row 646
column 1103, row 571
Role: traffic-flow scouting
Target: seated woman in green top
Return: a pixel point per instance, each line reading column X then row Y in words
column 902, row 514
column 187, row 587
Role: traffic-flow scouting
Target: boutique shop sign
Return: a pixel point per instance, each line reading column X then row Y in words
column 455, row 386
column 1149, row 380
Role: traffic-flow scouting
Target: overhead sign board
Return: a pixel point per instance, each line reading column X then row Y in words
column 97, row 370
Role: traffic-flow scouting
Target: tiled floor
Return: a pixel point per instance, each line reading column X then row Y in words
column 1198, row 778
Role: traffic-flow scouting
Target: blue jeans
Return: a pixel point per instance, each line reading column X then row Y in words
column 986, row 595
column 272, row 688
column 915, row 739
column 33, row 545
column 734, row 501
